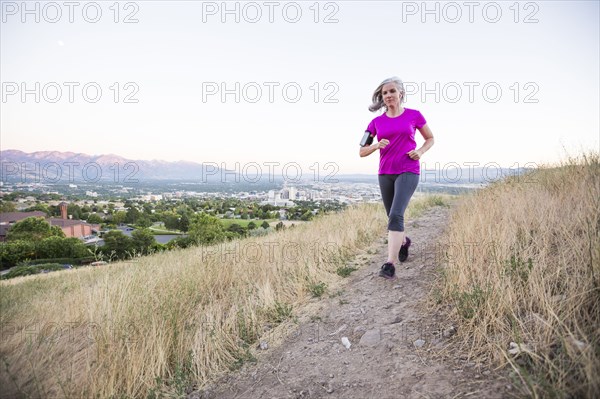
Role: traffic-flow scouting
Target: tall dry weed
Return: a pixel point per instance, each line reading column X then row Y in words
column 157, row 324
column 521, row 264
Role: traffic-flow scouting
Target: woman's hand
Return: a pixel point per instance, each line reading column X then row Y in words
column 382, row 144
column 366, row 151
column 428, row 136
column 414, row 154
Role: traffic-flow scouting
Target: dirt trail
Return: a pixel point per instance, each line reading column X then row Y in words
column 385, row 321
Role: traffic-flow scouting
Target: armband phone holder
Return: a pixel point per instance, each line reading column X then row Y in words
column 367, row 139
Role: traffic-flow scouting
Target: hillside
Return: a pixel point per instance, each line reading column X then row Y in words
column 500, row 297
column 522, row 268
column 134, row 328
column 400, row 346
column 505, row 302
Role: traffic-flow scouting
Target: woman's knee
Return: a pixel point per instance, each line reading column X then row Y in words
column 396, row 222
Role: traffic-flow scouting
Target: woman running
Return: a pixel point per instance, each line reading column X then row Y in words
column 398, row 164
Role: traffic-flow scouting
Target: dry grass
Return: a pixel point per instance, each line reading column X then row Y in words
column 420, row 204
column 154, row 326
column 522, row 264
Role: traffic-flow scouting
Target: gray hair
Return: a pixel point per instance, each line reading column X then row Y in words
column 378, row 97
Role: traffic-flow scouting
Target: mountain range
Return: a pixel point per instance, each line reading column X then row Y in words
column 72, row 167
column 79, row 167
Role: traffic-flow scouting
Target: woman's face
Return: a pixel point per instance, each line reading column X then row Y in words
column 391, row 95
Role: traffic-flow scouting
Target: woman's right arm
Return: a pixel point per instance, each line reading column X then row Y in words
column 368, row 150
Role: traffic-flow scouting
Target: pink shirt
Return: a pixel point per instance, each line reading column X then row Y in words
column 400, row 131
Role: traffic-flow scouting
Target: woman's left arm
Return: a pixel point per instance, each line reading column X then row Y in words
column 428, row 136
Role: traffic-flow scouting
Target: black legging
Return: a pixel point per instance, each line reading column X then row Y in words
column 396, row 191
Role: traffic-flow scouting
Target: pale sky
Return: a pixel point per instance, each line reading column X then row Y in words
column 543, row 56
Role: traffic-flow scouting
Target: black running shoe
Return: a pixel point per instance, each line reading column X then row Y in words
column 403, row 254
column 388, row 270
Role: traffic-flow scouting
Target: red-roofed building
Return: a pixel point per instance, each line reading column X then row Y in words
column 71, row 228
column 74, row 228
column 14, row 217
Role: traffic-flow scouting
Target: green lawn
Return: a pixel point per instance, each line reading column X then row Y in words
column 156, row 231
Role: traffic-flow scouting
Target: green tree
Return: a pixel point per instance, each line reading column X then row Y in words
column 39, row 207
column 180, row 242
column 75, row 248
column 119, row 217
column 74, row 210
column 143, row 240
column 143, row 222
column 117, row 244
column 171, row 220
column 147, row 208
column 33, row 229
column 95, row 219
column 15, row 251
column 237, row 229
column 53, row 211
column 307, row 216
column 251, row 226
column 265, row 224
column 7, row 206
column 132, row 215
column 184, row 223
column 57, row 247
column 206, row 229
column 268, row 208
column 50, row 247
